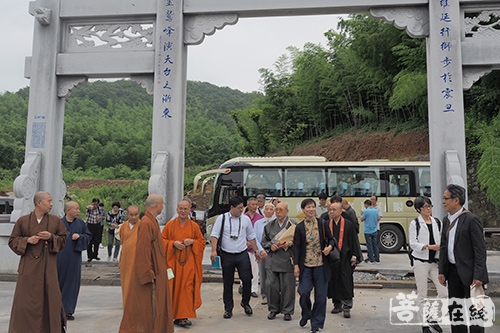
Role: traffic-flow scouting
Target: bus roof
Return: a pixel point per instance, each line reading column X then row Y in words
column 312, row 161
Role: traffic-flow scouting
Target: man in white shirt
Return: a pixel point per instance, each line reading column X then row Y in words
column 236, row 230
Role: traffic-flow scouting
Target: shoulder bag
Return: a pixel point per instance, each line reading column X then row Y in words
column 334, row 255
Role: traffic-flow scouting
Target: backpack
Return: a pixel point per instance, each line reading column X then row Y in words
column 417, row 227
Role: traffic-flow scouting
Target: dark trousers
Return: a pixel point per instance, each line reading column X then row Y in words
column 241, row 262
column 372, row 246
column 281, row 292
column 93, row 248
column 313, row 277
column 458, row 290
column 263, row 274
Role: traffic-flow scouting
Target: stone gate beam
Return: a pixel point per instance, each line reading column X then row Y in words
column 262, row 8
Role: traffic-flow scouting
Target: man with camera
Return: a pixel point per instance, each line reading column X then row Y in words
column 236, row 230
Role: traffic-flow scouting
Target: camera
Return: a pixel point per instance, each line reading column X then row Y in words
column 234, row 237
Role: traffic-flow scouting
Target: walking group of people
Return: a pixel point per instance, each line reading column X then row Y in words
column 161, row 271
column 287, row 250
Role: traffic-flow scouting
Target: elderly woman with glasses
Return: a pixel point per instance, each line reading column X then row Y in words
column 425, row 236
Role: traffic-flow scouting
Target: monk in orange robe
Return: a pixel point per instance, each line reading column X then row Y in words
column 148, row 307
column 184, row 247
column 128, row 238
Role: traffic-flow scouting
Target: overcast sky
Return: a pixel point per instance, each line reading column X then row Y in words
column 231, row 57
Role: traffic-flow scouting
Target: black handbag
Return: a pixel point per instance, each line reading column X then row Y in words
column 334, row 255
column 219, row 240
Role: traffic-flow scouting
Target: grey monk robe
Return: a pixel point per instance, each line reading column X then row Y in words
column 280, row 280
column 37, row 304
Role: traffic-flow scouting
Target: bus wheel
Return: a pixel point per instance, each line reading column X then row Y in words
column 391, row 238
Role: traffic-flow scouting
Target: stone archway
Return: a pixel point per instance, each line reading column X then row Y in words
column 147, row 41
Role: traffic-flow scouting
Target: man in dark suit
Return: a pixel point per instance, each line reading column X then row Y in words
column 462, row 259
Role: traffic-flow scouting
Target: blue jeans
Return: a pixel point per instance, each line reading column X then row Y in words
column 372, row 246
column 313, row 277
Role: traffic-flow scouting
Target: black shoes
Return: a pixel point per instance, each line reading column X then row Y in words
column 240, row 289
column 97, row 258
column 264, row 300
column 254, row 294
column 314, row 329
column 287, row 317
column 182, row 322
column 426, row 330
column 302, row 322
column 228, row 314
column 347, row 313
column 248, row 309
column 336, row 309
column 70, row 317
column 89, row 260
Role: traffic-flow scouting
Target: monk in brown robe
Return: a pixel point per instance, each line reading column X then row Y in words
column 184, row 246
column 37, row 238
column 148, row 307
column 128, row 239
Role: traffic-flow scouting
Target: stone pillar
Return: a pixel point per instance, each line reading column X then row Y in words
column 169, row 107
column 445, row 94
column 44, row 134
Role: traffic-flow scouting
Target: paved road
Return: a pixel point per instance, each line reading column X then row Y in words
column 99, row 310
column 99, row 307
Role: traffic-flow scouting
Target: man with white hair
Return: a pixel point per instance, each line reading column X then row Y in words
column 259, row 231
column 280, row 279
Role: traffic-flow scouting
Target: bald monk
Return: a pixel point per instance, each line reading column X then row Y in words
column 128, row 238
column 184, row 246
column 37, row 238
column 148, row 307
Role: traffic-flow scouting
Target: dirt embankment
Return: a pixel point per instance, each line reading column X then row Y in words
column 357, row 146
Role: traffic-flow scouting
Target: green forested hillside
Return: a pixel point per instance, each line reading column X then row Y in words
column 108, row 129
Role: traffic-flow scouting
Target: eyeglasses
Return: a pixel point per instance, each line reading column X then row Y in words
column 445, row 198
column 279, row 210
column 427, row 206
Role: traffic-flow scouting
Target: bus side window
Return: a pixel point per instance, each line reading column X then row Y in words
column 400, row 185
column 300, row 189
column 393, row 186
column 425, row 181
column 277, row 192
column 322, row 187
column 404, row 186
